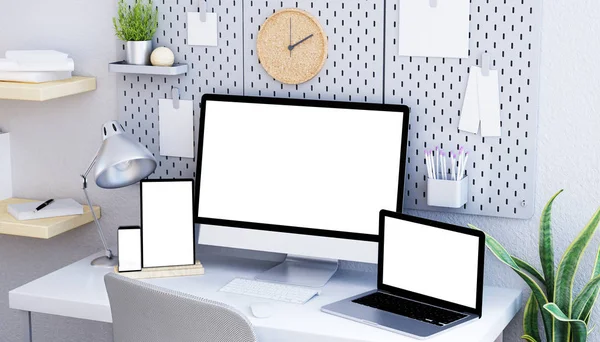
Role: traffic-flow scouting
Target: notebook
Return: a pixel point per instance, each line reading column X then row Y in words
column 60, row 207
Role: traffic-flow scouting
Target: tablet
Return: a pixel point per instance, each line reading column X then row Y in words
column 167, row 222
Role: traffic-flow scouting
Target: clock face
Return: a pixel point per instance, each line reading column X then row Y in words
column 292, row 46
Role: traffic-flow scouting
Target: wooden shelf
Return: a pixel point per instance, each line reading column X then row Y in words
column 43, row 228
column 47, row 90
column 124, row 68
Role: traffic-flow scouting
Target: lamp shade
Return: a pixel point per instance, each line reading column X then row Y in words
column 121, row 161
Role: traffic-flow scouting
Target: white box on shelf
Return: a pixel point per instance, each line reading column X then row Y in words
column 5, row 167
column 447, row 193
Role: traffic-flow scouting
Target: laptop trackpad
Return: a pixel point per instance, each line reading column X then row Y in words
column 386, row 320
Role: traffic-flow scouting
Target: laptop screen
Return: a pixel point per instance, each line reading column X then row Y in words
column 431, row 261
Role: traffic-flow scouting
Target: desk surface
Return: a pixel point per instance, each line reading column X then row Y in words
column 78, row 291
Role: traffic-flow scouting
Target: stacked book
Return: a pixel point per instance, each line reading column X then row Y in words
column 35, row 66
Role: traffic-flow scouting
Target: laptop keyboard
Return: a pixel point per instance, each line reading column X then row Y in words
column 408, row 308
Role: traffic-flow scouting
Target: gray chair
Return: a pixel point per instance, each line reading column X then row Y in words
column 147, row 313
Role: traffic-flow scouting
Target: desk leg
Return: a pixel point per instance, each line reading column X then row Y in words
column 27, row 337
column 500, row 338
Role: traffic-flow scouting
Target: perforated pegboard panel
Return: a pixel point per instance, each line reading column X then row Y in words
column 211, row 70
column 501, row 170
column 354, row 67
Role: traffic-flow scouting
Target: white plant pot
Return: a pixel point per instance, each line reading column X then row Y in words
column 447, row 193
column 138, row 53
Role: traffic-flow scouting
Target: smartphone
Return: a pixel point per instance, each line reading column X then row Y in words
column 129, row 241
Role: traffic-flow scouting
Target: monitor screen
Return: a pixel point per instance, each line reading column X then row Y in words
column 292, row 167
column 431, row 261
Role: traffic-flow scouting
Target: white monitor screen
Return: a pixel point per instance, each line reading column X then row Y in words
column 309, row 167
column 431, row 261
column 167, row 223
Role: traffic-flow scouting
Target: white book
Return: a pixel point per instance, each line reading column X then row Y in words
column 10, row 65
column 60, row 207
column 36, row 56
column 34, row 76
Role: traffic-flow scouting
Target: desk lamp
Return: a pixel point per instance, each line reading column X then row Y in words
column 120, row 162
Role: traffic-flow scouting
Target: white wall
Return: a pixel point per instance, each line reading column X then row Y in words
column 53, row 141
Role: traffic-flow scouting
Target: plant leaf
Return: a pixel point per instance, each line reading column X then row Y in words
column 587, row 293
column 500, row 252
column 546, row 246
column 529, row 269
column 565, row 275
column 529, row 338
column 578, row 326
column 589, row 306
column 530, row 319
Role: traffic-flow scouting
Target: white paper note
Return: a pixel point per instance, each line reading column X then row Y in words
column 441, row 31
column 176, row 128
column 469, row 116
column 482, row 104
column 489, row 104
column 202, row 33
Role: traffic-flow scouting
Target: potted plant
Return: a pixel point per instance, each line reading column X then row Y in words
column 565, row 317
column 136, row 25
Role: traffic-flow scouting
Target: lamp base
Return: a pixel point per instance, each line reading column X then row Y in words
column 104, row 261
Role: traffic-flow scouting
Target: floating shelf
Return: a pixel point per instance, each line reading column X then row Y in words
column 47, row 90
column 42, row 228
column 124, row 68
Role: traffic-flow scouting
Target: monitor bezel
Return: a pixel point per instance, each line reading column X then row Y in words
column 306, row 103
column 477, row 310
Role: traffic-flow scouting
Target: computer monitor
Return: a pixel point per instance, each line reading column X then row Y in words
column 301, row 177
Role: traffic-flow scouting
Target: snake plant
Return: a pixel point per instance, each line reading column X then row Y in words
column 564, row 319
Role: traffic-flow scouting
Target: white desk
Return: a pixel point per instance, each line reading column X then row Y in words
column 78, row 291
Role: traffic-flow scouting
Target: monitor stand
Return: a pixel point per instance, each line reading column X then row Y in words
column 303, row 271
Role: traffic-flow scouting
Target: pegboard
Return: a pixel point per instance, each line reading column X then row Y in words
column 501, row 170
column 363, row 66
column 211, row 70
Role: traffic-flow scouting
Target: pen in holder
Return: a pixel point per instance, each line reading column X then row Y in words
column 450, row 190
column 447, row 193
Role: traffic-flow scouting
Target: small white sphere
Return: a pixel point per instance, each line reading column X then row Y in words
column 162, row 56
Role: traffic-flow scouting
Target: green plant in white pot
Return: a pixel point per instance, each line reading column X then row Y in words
column 136, row 25
column 565, row 317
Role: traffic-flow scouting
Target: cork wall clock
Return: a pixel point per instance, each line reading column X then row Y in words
column 292, row 46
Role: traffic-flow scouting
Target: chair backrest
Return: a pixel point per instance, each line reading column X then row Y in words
column 147, row 313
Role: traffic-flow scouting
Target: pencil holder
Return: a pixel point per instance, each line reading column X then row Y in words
column 447, row 193
column 5, row 167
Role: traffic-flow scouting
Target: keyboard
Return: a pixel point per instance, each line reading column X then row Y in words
column 408, row 308
column 262, row 289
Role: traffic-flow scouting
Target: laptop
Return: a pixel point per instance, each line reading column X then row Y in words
column 430, row 278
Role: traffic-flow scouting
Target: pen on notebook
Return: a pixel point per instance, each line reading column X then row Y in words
column 43, row 205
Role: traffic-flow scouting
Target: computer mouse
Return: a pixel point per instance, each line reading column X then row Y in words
column 261, row 310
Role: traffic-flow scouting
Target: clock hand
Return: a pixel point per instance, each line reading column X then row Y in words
column 291, row 47
column 290, row 37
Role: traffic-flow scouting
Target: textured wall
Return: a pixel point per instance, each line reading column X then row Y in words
column 53, row 142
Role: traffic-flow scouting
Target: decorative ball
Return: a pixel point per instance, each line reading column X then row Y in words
column 162, row 56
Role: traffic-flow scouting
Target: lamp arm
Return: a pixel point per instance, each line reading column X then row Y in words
column 107, row 251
